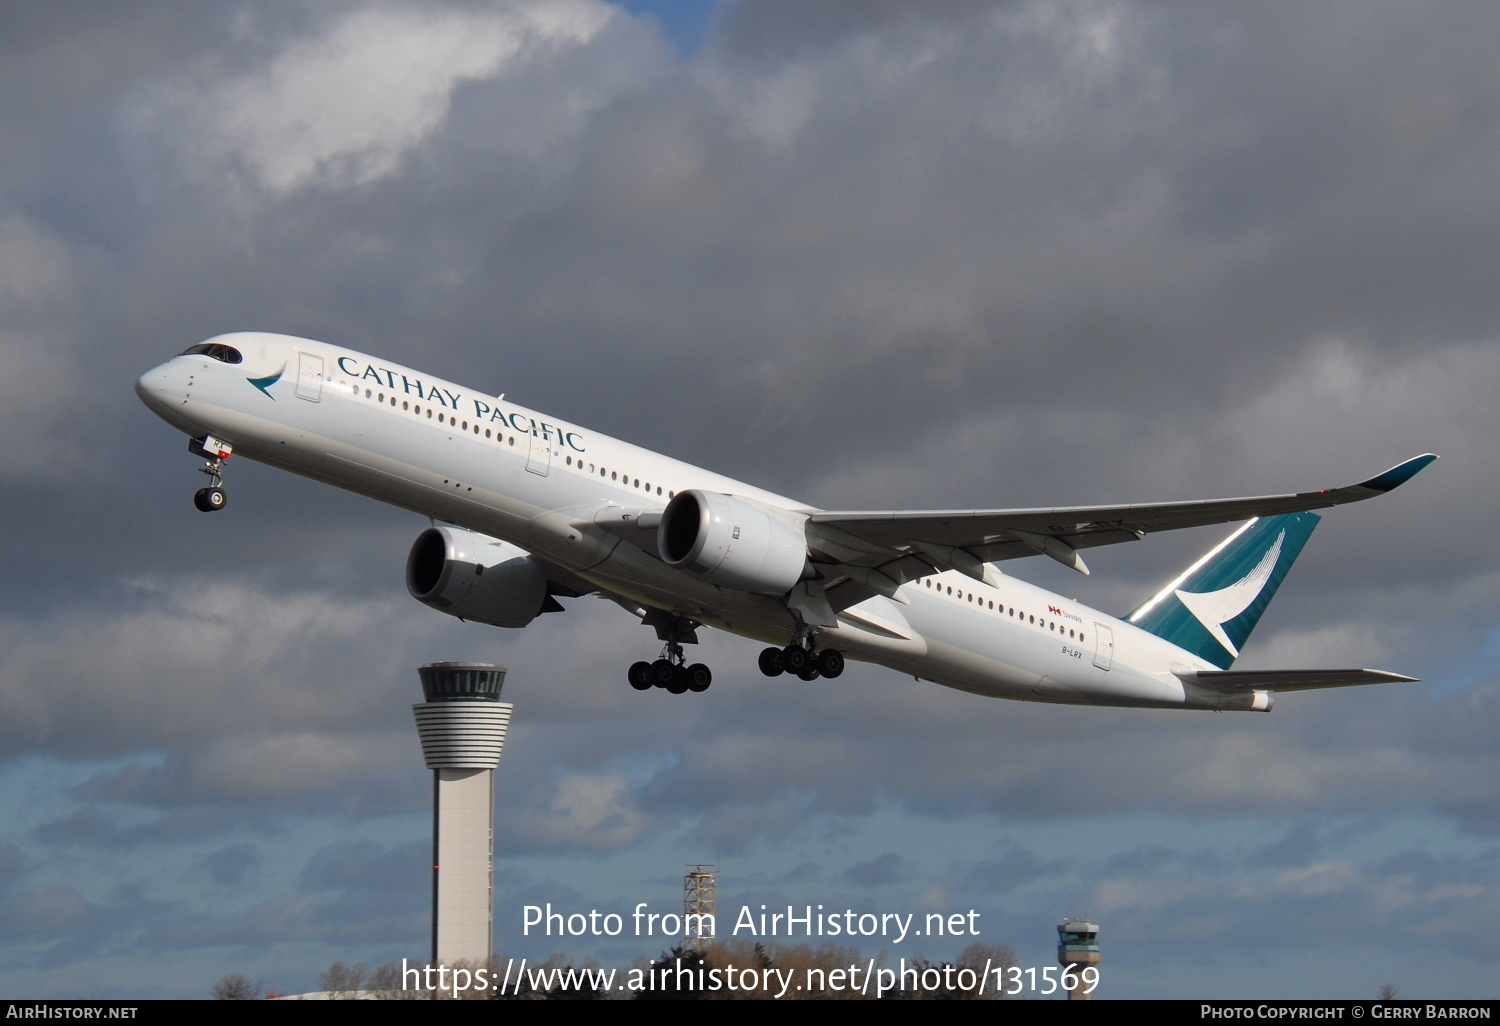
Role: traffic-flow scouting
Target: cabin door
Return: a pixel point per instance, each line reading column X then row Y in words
column 1104, row 646
column 309, row 377
column 539, row 459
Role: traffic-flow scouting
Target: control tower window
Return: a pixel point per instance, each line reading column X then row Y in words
column 214, row 351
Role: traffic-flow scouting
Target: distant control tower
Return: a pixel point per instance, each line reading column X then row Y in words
column 1078, row 946
column 699, row 906
column 462, row 726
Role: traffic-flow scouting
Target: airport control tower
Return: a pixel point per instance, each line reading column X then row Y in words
column 462, row 727
column 1078, row 946
column 699, row 908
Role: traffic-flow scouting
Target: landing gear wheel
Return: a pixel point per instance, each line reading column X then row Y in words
column 671, row 670
column 809, row 672
column 795, row 659
column 215, row 452
column 640, row 676
column 699, row 677
column 830, row 662
column 771, row 663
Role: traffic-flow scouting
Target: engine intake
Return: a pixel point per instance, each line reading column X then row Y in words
column 475, row 577
column 734, row 542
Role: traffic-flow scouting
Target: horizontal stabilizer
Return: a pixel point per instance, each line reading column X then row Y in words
column 1288, row 680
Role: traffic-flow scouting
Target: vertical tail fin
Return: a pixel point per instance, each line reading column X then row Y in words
column 1212, row 606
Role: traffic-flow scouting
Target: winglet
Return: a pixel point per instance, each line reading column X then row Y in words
column 1399, row 474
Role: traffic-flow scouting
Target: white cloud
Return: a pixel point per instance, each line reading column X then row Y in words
column 344, row 109
column 1320, row 878
column 591, row 810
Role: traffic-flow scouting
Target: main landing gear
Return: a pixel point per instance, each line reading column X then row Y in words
column 213, row 498
column 802, row 662
column 671, row 672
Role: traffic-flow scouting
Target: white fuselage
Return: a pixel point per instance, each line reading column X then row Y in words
column 489, row 465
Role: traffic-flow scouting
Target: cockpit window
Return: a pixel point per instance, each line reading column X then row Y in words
column 215, row 351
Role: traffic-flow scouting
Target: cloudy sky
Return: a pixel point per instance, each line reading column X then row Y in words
column 868, row 254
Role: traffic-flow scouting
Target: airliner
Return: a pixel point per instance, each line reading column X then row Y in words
column 525, row 509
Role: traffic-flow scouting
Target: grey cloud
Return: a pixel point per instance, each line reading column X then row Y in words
column 1297, row 846
column 888, row 868
column 232, row 865
column 366, row 866
column 1015, row 868
column 12, row 865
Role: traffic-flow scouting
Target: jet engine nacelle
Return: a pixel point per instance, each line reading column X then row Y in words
column 734, row 542
column 474, row 577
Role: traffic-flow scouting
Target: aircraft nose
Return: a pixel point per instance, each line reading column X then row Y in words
column 154, row 386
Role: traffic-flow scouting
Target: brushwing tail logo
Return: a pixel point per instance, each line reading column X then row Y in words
column 1216, row 608
column 265, row 383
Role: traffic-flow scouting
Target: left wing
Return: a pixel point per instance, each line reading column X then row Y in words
column 876, row 552
column 860, row 554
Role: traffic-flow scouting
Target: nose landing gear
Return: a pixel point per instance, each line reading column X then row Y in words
column 216, row 452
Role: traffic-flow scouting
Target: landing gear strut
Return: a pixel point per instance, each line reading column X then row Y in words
column 213, row 498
